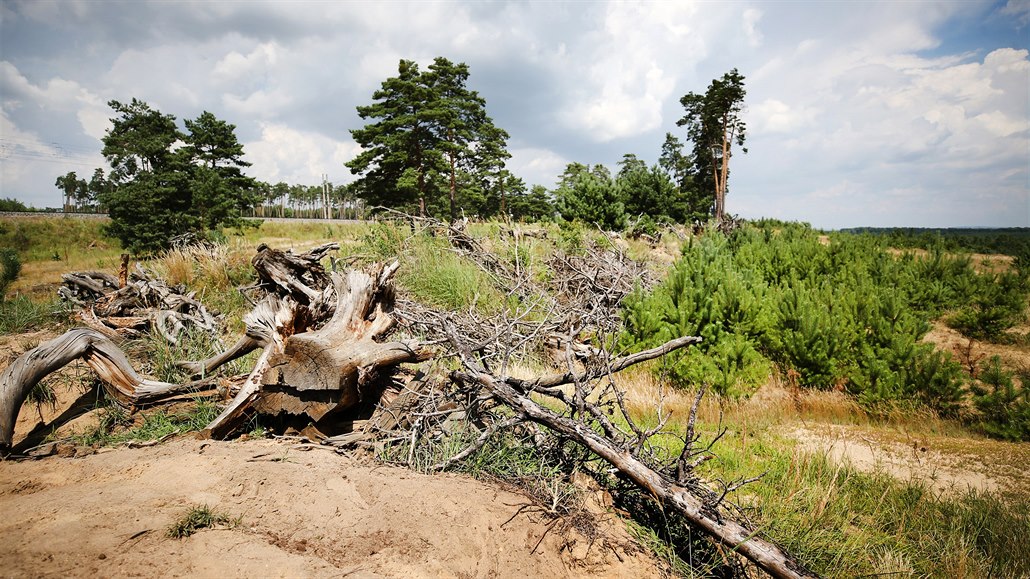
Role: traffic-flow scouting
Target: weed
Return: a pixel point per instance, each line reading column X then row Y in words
column 10, row 267
column 115, row 426
column 439, row 277
column 199, row 517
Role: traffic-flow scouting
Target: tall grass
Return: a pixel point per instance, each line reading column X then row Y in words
column 21, row 314
column 439, row 277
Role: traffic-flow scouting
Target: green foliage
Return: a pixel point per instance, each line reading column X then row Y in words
column 8, row 204
column 996, row 304
column 840, row 315
column 157, row 192
column 10, row 267
column 714, row 124
column 535, row 205
column 590, row 196
column 383, row 241
column 439, row 277
column 845, row 523
column 1004, row 407
column 20, row 314
column 196, row 518
column 705, row 295
column 42, row 394
column 115, row 426
column 429, row 132
column 650, row 192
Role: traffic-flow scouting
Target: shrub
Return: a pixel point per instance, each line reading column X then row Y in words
column 196, row 518
column 846, row 314
column 1004, row 407
column 10, row 267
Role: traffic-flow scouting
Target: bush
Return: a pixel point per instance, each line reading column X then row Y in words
column 1004, row 407
column 843, row 315
column 10, row 267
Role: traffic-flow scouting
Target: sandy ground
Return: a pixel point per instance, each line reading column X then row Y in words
column 303, row 514
column 944, row 463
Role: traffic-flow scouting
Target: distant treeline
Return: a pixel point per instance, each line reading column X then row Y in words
column 1013, row 241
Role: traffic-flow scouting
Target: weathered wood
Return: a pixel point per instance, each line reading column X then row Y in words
column 121, row 381
column 137, row 305
column 328, row 369
column 300, row 276
column 704, row 515
column 242, row 406
column 271, row 319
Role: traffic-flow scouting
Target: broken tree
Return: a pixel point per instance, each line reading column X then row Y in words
column 325, row 349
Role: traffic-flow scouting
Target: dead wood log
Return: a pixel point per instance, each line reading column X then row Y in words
column 121, row 381
column 242, row 406
column 140, row 304
column 329, row 368
column 300, row 276
column 272, row 319
column 325, row 370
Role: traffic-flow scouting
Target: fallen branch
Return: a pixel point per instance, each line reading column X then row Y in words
column 702, row 512
column 121, row 382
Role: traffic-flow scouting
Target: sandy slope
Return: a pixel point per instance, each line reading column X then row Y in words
column 304, row 513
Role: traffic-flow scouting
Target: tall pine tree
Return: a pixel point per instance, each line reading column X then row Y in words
column 429, row 134
column 714, row 124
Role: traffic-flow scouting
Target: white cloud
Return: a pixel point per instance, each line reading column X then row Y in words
column 750, row 23
column 536, row 166
column 298, row 157
column 846, row 110
column 635, row 61
column 774, row 116
column 234, row 66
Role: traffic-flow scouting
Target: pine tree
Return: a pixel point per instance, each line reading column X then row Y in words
column 430, row 135
column 714, row 124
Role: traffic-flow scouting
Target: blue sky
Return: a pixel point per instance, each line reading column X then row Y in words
column 859, row 113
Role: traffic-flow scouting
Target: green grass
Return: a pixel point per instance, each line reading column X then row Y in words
column 846, row 523
column 439, row 277
column 199, row 517
column 46, row 238
column 21, row 314
column 115, row 426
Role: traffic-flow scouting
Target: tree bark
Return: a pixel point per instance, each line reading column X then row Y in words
column 121, row 381
column 327, row 369
column 767, row 555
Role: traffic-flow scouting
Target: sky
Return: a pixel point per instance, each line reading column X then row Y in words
column 890, row 114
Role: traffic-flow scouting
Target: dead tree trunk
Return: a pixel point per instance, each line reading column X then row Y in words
column 332, row 368
column 121, row 382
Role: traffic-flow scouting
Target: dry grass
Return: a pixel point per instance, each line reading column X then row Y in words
column 981, row 262
column 773, row 404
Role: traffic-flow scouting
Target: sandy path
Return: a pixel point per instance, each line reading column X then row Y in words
column 304, row 514
column 944, row 463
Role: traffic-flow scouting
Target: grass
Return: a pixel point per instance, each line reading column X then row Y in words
column 199, row 517
column 439, row 277
column 838, row 520
column 21, row 314
column 114, row 426
column 841, row 521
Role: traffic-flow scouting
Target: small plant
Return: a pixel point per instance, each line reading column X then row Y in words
column 1004, row 407
column 20, row 314
column 10, row 267
column 42, row 394
column 199, row 517
column 383, row 241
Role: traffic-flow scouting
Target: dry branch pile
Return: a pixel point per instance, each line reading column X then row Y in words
column 330, row 354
